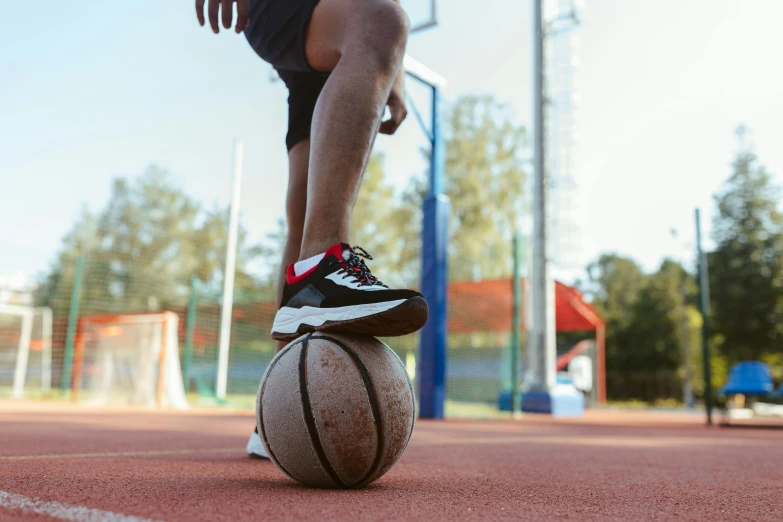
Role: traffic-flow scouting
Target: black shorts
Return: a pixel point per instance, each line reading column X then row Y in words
column 277, row 34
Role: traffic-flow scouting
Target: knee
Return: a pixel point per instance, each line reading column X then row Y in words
column 392, row 22
column 386, row 35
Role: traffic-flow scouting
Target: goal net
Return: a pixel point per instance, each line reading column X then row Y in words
column 129, row 359
column 25, row 350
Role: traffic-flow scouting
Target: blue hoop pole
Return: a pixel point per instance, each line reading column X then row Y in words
column 434, row 277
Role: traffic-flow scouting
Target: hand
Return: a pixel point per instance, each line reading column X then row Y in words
column 396, row 105
column 243, row 10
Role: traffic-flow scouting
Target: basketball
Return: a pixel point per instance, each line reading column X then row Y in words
column 335, row 411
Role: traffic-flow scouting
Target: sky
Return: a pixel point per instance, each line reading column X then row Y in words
column 94, row 90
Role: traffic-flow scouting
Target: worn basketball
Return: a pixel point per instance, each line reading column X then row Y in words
column 335, row 411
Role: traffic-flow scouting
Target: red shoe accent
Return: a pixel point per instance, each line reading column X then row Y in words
column 291, row 277
column 336, row 251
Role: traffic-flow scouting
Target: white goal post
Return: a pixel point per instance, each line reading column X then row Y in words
column 128, row 359
column 39, row 339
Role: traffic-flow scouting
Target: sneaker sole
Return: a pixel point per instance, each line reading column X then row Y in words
column 404, row 318
column 255, row 448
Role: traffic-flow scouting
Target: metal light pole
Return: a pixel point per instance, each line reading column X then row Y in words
column 541, row 354
column 516, row 321
column 704, row 302
column 73, row 323
column 687, row 385
column 228, row 276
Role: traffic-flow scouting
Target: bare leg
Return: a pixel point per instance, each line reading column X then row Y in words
column 295, row 205
column 362, row 44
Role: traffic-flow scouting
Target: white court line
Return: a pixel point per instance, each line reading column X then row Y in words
column 15, row 502
column 151, row 453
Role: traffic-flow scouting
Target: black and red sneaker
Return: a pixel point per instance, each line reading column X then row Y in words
column 340, row 294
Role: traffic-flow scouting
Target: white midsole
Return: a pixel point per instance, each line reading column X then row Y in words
column 288, row 319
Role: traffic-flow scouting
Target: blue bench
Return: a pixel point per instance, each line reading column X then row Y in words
column 749, row 378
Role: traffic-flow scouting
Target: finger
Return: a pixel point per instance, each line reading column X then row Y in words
column 387, row 127
column 200, row 12
column 398, row 115
column 213, row 15
column 227, row 13
column 243, row 15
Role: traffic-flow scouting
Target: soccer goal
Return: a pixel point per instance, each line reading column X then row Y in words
column 25, row 349
column 128, row 359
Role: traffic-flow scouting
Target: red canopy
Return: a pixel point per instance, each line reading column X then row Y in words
column 487, row 306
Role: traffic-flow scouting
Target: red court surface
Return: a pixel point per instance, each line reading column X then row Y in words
column 69, row 463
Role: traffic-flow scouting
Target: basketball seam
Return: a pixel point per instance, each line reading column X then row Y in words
column 261, row 408
column 376, row 412
column 307, row 408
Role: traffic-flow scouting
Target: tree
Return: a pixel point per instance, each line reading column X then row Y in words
column 213, row 234
column 143, row 247
column 485, row 182
column 657, row 319
column 746, row 268
column 54, row 288
column 615, row 282
column 380, row 225
column 646, row 325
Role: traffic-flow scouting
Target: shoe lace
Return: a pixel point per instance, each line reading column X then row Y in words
column 356, row 268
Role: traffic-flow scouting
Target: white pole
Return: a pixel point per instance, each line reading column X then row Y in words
column 228, row 277
column 23, row 353
column 46, row 349
column 541, row 355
